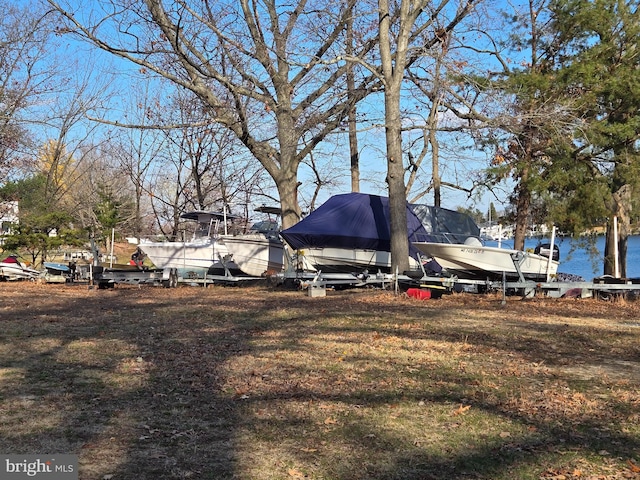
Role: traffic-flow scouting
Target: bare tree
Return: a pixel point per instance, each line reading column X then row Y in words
column 431, row 87
column 44, row 99
column 397, row 29
column 24, row 77
column 447, row 110
column 71, row 144
column 202, row 166
column 272, row 74
column 136, row 151
column 108, row 201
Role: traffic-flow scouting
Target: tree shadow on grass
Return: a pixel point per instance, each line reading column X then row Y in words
column 140, row 385
column 132, row 387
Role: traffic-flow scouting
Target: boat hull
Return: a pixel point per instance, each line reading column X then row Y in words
column 470, row 261
column 344, row 260
column 255, row 255
column 249, row 255
column 14, row 271
column 199, row 255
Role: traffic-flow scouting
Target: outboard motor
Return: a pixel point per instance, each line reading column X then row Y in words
column 544, row 249
column 473, row 242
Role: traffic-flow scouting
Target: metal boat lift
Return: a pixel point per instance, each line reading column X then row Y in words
column 553, row 288
column 109, row 277
column 603, row 287
column 227, row 277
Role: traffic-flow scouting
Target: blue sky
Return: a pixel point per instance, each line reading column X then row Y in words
column 371, row 142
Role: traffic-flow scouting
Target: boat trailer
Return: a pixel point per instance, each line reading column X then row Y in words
column 603, row 287
column 104, row 277
column 557, row 286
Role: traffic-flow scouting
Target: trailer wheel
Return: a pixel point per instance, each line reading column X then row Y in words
column 172, row 282
column 102, row 285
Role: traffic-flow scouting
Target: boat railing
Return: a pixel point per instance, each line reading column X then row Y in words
column 171, row 238
column 157, row 238
column 442, row 237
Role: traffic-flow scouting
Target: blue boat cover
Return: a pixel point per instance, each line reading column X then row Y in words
column 445, row 226
column 350, row 220
column 60, row 267
column 361, row 221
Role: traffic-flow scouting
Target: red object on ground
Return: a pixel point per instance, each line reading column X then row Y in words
column 419, row 293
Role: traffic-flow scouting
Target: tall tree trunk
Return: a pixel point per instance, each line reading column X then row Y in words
column 620, row 209
column 395, row 180
column 432, row 123
column 393, row 71
column 351, row 118
column 137, row 223
column 435, row 166
column 353, row 152
column 523, row 205
column 287, row 184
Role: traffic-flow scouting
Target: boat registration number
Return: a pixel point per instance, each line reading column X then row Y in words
column 472, row 250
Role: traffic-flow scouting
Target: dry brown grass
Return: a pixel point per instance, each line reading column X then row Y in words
column 253, row 383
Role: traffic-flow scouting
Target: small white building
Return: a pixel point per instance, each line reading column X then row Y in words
column 8, row 216
column 496, row 232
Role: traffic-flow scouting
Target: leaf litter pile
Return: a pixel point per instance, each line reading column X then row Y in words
column 260, row 383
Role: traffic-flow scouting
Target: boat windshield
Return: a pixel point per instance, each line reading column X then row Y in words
column 266, row 227
column 207, row 229
column 445, row 237
column 445, row 226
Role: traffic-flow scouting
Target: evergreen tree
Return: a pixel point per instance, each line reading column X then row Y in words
column 493, row 213
column 110, row 212
column 599, row 62
column 42, row 226
column 537, row 117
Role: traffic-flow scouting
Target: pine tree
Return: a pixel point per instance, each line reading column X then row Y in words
column 599, row 64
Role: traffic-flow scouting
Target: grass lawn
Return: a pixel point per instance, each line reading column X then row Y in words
column 259, row 383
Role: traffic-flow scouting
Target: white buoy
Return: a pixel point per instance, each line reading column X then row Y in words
column 550, row 258
column 616, row 263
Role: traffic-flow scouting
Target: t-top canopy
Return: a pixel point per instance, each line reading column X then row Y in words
column 351, row 220
column 202, row 216
column 361, row 221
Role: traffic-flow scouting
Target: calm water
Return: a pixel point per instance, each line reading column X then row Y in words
column 580, row 262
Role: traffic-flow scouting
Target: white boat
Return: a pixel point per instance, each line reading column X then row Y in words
column 12, row 269
column 213, row 250
column 255, row 254
column 351, row 233
column 473, row 260
column 198, row 254
column 347, row 260
column 57, row 272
